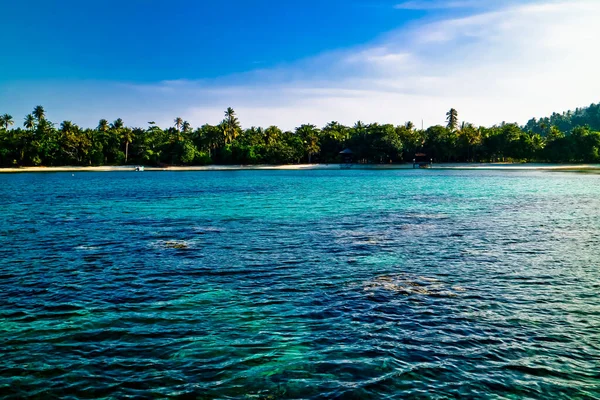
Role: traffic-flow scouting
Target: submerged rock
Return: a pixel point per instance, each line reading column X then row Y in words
column 176, row 245
column 411, row 285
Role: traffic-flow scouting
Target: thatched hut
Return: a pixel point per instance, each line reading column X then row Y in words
column 347, row 156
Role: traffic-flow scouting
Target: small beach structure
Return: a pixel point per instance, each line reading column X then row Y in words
column 347, row 156
column 139, row 168
column 422, row 161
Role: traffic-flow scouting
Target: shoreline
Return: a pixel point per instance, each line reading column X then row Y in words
column 316, row 167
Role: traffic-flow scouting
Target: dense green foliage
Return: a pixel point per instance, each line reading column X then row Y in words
column 567, row 121
column 568, row 137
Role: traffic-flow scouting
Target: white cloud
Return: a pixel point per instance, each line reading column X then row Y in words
column 506, row 64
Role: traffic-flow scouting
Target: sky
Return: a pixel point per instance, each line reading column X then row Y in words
column 298, row 61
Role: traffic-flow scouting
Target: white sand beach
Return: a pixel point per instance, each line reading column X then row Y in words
column 458, row 166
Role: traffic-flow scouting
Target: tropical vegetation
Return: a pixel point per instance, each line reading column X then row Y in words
column 573, row 136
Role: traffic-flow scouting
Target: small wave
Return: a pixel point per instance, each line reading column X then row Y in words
column 87, row 248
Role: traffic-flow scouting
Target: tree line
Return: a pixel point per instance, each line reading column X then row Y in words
column 567, row 137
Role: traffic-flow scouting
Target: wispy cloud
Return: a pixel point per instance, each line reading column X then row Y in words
column 504, row 64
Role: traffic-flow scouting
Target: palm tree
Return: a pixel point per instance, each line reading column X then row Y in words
column 29, row 122
column 128, row 138
column 231, row 125
column 45, row 127
column 538, row 142
column 409, row 126
column 466, row 126
column 178, row 123
column 39, row 113
column 6, row 120
column 117, row 124
column 102, row 136
column 309, row 134
column 102, row 125
column 186, row 127
column 116, row 135
column 66, row 126
column 359, row 127
column 335, row 130
column 272, row 134
column 452, row 118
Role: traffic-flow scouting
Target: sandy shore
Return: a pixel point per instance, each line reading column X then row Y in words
column 548, row 167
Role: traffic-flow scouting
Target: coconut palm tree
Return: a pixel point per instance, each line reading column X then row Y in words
column 128, row 138
column 29, row 122
column 178, row 123
column 452, row 119
column 117, row 124
column 335, row 130
column 39, row 113
column 6, row 120
column 360, row 129
column 102, row 137
column 66, row 126
column 102, row 125
column 310, row 137
column 115, row 137
column 231, row 125
column 186, row 127
column 272, row 135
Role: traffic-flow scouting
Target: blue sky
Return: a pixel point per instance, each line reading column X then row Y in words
column 298, row 61
column 149, row 40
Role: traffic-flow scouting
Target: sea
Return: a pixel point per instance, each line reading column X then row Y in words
column 333, row 284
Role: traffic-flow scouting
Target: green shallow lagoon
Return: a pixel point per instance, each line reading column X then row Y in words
column 300, row 284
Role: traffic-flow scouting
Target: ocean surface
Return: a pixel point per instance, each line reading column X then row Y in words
column 300, row 285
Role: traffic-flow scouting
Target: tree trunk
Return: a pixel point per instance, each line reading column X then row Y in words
column 126, row 151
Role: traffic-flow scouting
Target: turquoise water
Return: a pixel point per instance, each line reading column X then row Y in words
column 300, row 284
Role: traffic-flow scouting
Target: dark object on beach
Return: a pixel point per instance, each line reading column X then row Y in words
column 421, row 161
column 347, row 156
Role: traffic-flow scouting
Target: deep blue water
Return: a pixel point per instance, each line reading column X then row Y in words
column 300, row 284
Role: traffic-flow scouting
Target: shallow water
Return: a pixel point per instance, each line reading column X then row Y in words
column 300, row 284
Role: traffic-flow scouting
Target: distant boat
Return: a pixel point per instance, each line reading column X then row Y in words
column 139, row 169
